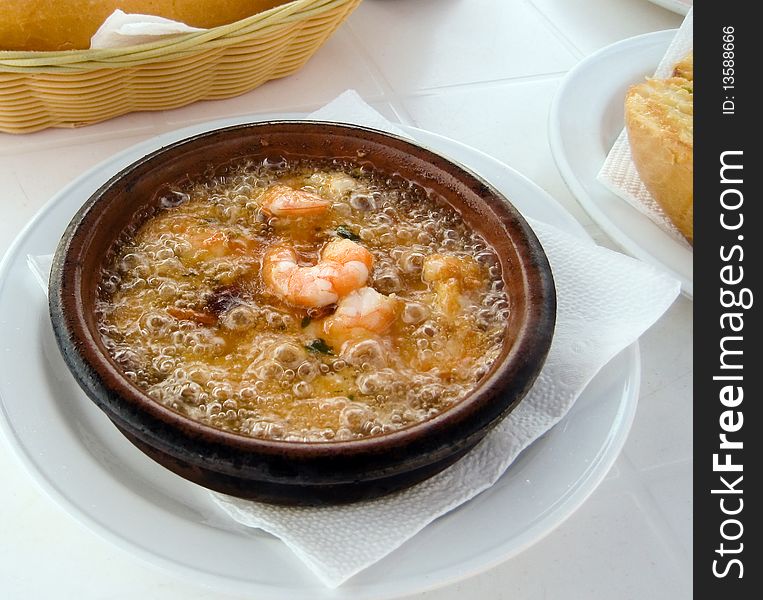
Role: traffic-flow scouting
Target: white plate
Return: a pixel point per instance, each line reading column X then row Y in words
column 80, row 460
column 585, row 119
column 677, row 6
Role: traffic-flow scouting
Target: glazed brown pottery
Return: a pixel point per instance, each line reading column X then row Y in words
column 291, row 472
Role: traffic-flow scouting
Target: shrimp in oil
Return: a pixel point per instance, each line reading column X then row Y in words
column 202, row 242
column 283, row 201
column 362, row 314
column 344, row 266
column 352, row 262
column 336, row 184
column 451, row 277
column 247, row 305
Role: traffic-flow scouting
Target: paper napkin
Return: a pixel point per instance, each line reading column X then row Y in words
column 121, row 29
column 605, row 302
column 619, row 173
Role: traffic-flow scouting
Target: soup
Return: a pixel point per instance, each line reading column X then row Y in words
column 303, row 301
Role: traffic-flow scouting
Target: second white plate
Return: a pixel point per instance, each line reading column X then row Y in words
column 81, row 461
column 677, row 6
column 585, row 119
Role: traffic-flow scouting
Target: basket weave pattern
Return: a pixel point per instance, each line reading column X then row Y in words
column 79, row 87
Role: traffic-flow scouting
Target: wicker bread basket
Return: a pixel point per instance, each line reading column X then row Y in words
column 79, row 87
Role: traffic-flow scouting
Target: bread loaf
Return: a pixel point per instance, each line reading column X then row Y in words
column 69, row 24
column 659, row 115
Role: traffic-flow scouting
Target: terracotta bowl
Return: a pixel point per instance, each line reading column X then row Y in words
column 293, row 472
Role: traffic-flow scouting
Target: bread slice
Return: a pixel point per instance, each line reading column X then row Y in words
column 659, row 118
column 685, row 68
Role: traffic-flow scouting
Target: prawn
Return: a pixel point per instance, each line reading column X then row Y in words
column 361, row 314
column 283, row 201
column 451, row 277
column 353, row 263
column 219, row 243
column 202, row 242
column 344, row 266
column 336, row 185
column 437, row 267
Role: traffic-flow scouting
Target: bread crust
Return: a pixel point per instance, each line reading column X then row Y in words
column 659, row 122
column 685, row 68
column 69, row 24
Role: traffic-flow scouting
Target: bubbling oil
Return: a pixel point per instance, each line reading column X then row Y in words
column 183, row 310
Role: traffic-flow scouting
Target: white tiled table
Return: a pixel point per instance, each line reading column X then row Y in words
column 483, row 72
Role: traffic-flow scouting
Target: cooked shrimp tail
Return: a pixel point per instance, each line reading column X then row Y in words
column 308, row 287
column 363, row 313
column 282, row 201
column 344, row 267
column 353, row 264
column 451, row 278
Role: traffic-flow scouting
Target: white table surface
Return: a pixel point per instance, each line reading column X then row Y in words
column 483, row 72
